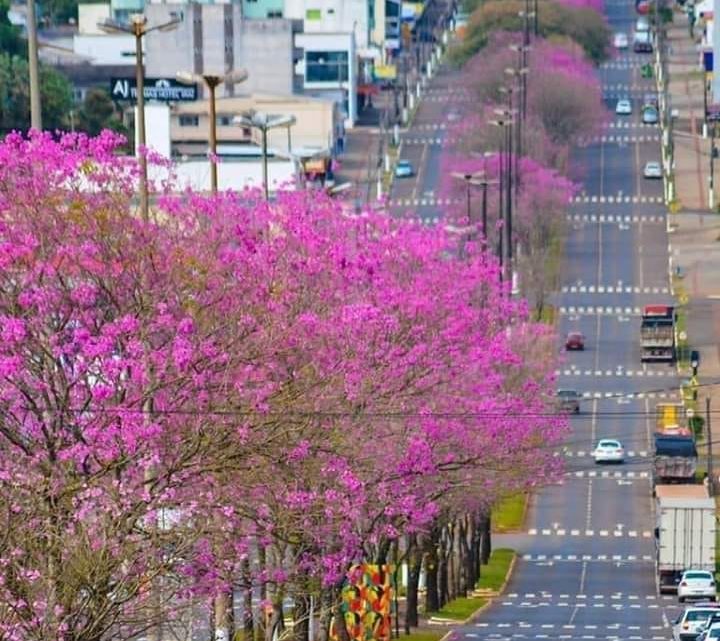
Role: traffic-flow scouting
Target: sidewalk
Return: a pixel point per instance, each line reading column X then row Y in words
column 694, row 239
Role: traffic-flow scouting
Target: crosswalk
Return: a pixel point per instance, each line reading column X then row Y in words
column 620, row 139
column 586, row 453
column 646, row 534
column 619, row 198
column 615, row 373
column 625, row 124
column 614, row 219
column 605, row 474
column 613, row 558
column 599, row 310
column 612, row 289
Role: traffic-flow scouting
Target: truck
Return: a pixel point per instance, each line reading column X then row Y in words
column 657, row 333
column 671, row 420
column 675, row 459
column 684, row 533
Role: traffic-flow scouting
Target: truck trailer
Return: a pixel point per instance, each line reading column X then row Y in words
column 685, row 532
column 657, row 333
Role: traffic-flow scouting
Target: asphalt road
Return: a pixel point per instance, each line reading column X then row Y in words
column 586, row 566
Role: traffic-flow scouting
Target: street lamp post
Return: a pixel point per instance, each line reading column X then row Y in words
column 212, row 82
column 505, row 123
column 138, row 27
column 33, row 67
column 264, row 123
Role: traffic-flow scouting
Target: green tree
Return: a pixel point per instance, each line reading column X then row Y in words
column 11, row 41
column 55, row 95
column 98, row 112
column 581, row 24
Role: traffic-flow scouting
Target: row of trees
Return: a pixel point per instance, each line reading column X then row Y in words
column 239, row 399
column 561, row 104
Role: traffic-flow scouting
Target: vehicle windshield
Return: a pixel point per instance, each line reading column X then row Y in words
column 698, row 615
column 567, row 393
column 609, row 444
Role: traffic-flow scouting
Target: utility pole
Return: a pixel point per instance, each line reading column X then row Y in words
column 711, row 475
column 33, row 67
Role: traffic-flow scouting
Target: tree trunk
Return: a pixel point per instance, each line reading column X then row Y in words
column 466, row 554
column 432, row 594
column 248, row 621
column 262, row 562
column 275, row 621
column 326, row 614
column 486, row 546
column 443, row 583
column 414, row 566
column 301, row 621
column 223, row 619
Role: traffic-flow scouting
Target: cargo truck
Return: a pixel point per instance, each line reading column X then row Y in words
column 657, row 333
column 685, row 532
column 675, row 459
column 671, row 420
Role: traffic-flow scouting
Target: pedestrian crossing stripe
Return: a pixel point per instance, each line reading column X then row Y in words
column 423, row 202
column 609, row 372
column 591, row 533
column 612, row 289
column 601, row 311
column 613, row 558
column 617, row 199
column 610, row 218
column 604, row 474
column 615, row 596
column 625, row 396
column 619, row 139
column 583, row 453
column 623, row 124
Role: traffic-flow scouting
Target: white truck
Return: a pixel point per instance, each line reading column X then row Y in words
column 685, row 533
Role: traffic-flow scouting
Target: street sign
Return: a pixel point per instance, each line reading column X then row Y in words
column 158, row 89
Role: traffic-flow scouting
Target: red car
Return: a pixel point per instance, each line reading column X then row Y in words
column 575, row 340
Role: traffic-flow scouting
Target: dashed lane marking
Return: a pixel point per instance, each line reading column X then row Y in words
column 589, row 533
column 614, row 219
column 604, row 474
column 579, row 558
column 583, row 453
column 617, row 199
column 619, row 139
column 612, row 289
column 597, row 373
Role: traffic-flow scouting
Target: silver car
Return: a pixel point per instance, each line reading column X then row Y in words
column 697, row 584
column 569, row 400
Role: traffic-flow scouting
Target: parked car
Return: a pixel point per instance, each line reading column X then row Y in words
column 569, row 400
column 575, row 340
column 620, row 41
column 403, row 169
column 623, row 107
column 652, row 170
column 650, row 115
column 693, row 621
column 697, row 584
column 609, row 451
column 642, row 42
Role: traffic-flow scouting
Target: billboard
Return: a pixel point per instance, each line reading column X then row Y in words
column 158, row 89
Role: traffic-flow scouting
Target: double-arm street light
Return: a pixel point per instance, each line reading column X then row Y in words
column 138, row 27
column 264, row 123
column 212, row 82
column 477, row 179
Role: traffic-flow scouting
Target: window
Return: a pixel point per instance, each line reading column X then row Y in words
column 223, row 120
column 189, row 121
column 313, row 14
column 326, row 66
column 331, row 11
column 247, row 132
column 275, row 14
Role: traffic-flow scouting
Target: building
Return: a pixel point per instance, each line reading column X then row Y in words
column 213, row 38
column 302, row 152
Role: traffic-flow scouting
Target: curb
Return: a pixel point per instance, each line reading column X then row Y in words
column 524, row 518
column 487, row 604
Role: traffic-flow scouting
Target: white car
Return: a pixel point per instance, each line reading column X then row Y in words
column 623, row 107
column 621, row 41
column 713, row 632
column 652, row 170
column 692, row 622
column 609, row 451
column 697, row 584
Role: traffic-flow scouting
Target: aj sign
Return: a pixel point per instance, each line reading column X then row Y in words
column 158, row 89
